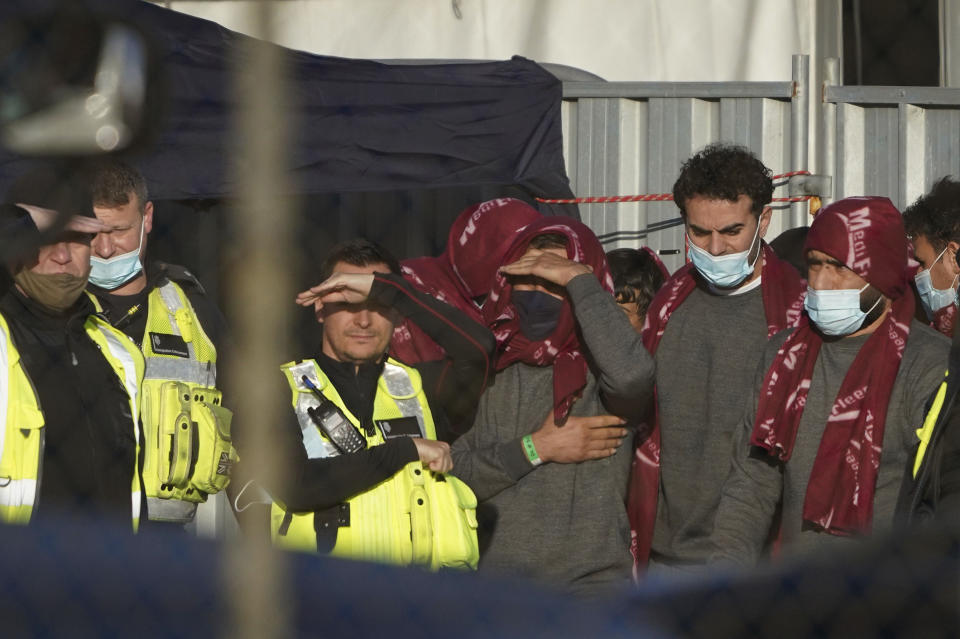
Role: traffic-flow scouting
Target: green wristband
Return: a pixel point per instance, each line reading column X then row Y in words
column 531, row 450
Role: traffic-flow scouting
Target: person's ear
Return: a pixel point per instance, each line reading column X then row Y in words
column 764, row 221
column 147, row 217
column 953, row 258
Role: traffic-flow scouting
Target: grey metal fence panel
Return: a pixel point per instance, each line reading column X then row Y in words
column 894, row 141
column 632, row 138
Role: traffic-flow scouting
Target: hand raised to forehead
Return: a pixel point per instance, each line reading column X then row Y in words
column 347, row 288
column 546, row 265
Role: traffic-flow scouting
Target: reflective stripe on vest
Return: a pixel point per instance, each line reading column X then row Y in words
column 20, row 414
column 127, row 362
column 183, row 323
column 926, row 432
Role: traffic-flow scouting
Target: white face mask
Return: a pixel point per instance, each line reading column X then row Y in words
column 724, row 270
column 837, row 312
column 116, row 271
column 933, row 299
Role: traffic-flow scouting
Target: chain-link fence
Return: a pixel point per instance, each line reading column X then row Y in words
column 71, row 406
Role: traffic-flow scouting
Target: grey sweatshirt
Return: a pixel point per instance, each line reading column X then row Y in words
column 705, row 367
column 564, row 525
column 753, row 489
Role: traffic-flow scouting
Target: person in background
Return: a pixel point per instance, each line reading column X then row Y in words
column 933, row 226
column 165, row 310
column 789, row 247
column 544, row 456
column 637, row 276
column 707, row 328
column 823, row 448
column 931, row 490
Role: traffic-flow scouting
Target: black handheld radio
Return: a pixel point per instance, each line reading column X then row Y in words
column 333, row 423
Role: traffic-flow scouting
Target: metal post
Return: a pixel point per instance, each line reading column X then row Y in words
column 828, row 131
column 261, row 296
column 799, row 130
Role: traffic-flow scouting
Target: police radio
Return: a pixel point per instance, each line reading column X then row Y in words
column 333, row 423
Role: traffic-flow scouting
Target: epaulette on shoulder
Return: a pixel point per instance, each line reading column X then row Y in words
column 181, row 275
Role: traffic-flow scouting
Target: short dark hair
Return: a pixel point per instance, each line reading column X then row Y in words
column 636, row 277
column 789, row 247
column 936, row 215
column 358, row 252
column 724, row 172
column 549, row 241
column 113, row 181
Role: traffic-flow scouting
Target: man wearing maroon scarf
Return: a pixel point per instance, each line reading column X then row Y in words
column 544, row 457
column 838, row 400
column 706, row 328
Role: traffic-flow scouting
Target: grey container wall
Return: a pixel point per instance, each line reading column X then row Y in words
column 893, row 141
column 631, row 138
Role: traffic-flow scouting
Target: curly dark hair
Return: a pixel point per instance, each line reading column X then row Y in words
column 724, row 171
column 936, row 215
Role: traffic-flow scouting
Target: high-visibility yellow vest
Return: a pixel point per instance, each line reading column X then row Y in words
column 416, row 516
column 21, row 438
column 188, row 452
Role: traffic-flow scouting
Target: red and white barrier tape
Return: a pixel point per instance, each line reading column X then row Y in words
column 661, row 197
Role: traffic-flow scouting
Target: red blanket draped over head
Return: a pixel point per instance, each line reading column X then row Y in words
column 562, row 348
column 866, row 234
column 478, row 239
column 782, row 291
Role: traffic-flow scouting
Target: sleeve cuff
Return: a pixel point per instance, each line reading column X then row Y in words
column 514, row 459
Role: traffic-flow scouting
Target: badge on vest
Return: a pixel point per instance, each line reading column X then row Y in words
column 169, row 345
column 399, row 427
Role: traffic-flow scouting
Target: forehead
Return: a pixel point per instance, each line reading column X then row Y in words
column 368, row 269
column 562, row 252
column 820, row 256
column 716, row 214
column 128, row 213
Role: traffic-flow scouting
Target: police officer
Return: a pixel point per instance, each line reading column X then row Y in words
column 188, row 452
column 69, row 382
column 368, row 475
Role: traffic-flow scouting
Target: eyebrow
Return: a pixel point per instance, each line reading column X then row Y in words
column 736, row 226
column 815, row 261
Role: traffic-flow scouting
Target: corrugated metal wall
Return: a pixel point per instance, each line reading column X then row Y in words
column 894, row 141
column 631, row 138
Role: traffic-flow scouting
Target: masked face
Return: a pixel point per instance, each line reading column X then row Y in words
column 539, row 313
column 937, row 282
column 538, row 302
column 724, row 239
column 117, row 260
column 57, row 276
column 834, row 296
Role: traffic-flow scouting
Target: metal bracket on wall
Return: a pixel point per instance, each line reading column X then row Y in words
column 816, row 185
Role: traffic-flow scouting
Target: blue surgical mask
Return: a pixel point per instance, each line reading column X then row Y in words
column 724, row 270
column 538, row 312
column 933, row 299
column 836, row 312
column 116, row 271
